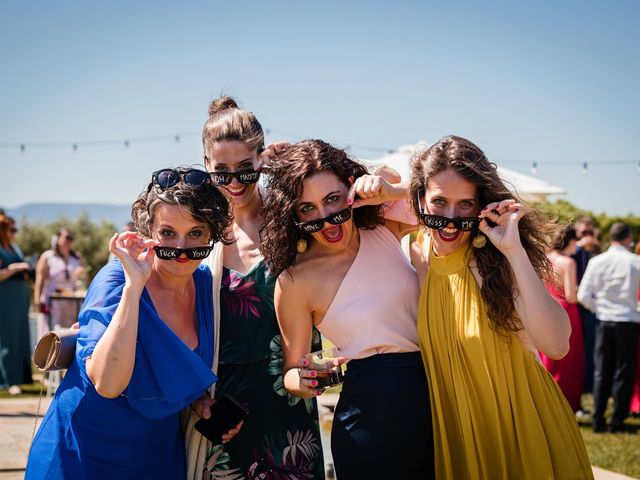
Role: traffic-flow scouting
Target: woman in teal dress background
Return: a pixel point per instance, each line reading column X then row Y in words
column 15, row 355
column 280, row 437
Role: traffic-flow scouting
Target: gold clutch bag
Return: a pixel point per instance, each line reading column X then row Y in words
column 55, row 350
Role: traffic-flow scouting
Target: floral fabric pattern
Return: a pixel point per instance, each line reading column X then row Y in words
column 280, row 437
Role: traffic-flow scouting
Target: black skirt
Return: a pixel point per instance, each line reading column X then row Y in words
column 382, row 423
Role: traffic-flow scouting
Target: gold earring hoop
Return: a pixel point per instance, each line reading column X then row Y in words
column 301, row 245
column 479, row 241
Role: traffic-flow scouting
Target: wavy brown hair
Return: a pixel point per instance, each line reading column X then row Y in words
column 205, row 202
column 227, row 122
column 468, row 161
column 279, row 234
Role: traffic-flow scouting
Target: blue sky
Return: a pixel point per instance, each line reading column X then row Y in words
column 552, row 82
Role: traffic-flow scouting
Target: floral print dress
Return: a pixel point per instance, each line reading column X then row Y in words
column 280, row 438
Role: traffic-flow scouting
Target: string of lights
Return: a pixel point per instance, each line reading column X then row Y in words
column 23, row 147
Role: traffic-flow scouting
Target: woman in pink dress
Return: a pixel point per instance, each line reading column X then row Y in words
column 569, row 371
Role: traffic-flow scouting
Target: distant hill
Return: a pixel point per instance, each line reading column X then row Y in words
column 50, row 212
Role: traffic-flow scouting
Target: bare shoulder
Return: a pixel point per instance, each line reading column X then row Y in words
column 419, row 257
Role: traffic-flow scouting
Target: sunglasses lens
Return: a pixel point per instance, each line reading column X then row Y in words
column 220, row 179
column 312, row 227
column 465, row 224
column 165, row 178
column 195, row 177
column 166, row 253
column 434, row 221
column 248, row 177
column 198, row 253
column 340, row 217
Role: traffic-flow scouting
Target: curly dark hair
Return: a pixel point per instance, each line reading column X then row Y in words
column 205, row 202
column 279, row 234
column 468, row 161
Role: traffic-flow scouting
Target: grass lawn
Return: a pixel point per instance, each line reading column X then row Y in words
column 618, row 452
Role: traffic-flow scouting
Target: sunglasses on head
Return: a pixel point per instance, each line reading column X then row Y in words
column 337, row 218
column 438, row 222
column 245, row 177
column 168, row 177
column 194, row 253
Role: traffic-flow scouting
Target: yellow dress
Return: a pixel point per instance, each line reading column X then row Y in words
column 497, row 413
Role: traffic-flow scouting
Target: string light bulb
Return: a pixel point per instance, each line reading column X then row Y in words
column 534, row 168
column 126, row 144
column 585, row 168
column 177, row 138
column 75, row 147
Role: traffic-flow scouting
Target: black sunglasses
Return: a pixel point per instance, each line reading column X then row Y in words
column 245, row 177
column 438, row 222
column 337, row 218
column 194, row 253
column 168, row 177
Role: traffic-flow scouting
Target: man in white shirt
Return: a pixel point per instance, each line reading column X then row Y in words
column 609, row 288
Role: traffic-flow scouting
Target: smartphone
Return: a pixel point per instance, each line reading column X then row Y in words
column 226, row 413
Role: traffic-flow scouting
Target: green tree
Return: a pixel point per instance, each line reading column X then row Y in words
column 91, row 239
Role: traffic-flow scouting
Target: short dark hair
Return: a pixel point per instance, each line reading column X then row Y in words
column 619, row 231
column 205, row 203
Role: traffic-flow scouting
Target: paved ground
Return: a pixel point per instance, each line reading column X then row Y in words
column 17, row 420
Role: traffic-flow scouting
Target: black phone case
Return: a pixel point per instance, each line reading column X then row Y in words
column 226, row 413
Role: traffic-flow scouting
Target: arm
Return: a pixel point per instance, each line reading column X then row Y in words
column 12, row 269
column 587, row 289
column 570, row 281
column 296, row 326
column 375, row 190
column 42, row 272
column 110, row 366
column 543, row 318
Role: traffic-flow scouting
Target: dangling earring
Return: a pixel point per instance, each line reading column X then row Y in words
column 301, row 245
column 479, row 241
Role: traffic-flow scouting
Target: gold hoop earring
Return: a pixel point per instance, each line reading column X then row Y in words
column 479, row 241
column 301, row 245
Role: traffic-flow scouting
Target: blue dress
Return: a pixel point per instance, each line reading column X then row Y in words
column 136, row 435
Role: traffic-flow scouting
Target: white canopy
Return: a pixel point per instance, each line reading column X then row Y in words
column 531, row 189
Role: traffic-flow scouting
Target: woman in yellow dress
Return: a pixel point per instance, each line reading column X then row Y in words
column 483, row 315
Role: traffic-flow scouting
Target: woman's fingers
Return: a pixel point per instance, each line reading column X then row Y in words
column 232, row 433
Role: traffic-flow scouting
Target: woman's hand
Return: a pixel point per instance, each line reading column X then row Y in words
column 506, row 215
column 308, row 376
column 18, row 266
column 371, row 190
column 226, row 437
column 202, row 408
column 136, row 255
column 270, row 153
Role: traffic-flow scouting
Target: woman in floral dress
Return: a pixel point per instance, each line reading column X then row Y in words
column 280, row 438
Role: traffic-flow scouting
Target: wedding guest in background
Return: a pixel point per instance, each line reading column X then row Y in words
column 57, row 271
column 609, row 288
column 15, row 355
column 569, row 370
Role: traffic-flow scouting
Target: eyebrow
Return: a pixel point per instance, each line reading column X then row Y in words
column 336, row 192
column 246, row 160
column 442, row 197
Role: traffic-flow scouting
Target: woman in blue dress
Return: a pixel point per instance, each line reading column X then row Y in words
column 145, row 343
